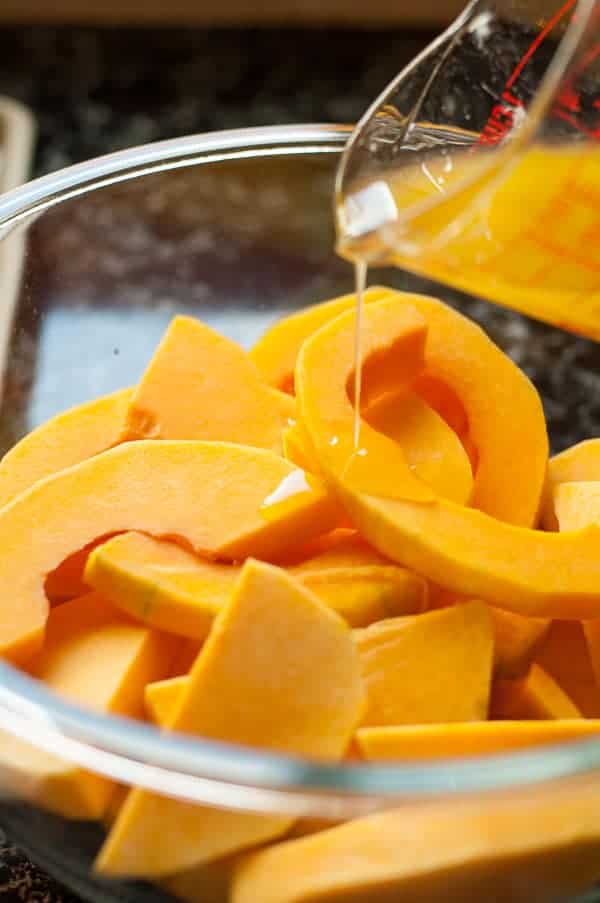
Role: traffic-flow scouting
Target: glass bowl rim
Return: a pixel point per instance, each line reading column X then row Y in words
column 210, row 772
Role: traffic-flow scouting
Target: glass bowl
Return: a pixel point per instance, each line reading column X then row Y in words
column 237, row 228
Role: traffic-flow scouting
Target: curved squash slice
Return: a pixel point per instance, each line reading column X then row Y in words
column 500, row 403
column 207, row 494
column 526, row 571
column 474, row 738
column 279, row 671
column 378, row 466
column 276, row 351
column 564, row 655
column 201, row 385
column 432, row 449
column 536, row 697
column 63, row 441
column 578, row 463
column 161, row 697
column 435, row 667
column 162, row 584
column 542, row 846
column 97, row 658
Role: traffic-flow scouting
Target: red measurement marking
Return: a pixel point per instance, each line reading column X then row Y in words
column 538, row 40
column 501, row 118
column 569, row 100
column 567, row 117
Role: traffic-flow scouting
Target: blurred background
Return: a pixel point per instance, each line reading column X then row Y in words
column 101, row 75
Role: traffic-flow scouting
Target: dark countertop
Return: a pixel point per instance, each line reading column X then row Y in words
column 95, row 90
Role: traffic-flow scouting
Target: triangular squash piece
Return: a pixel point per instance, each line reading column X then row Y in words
column 201, row 385
column 279, row 671
column 434, row 667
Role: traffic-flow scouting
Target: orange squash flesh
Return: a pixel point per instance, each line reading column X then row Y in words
column 435, row 667
column 162, row 696
column 535, row 697
column 362, row 595
column 580, row 462
column 431, row 448
column 360, row 584
column 66, row 581
column 500, row 403
column 444, row 402
column 166, row 586
column 206, row 494
column 516, row 640
column 296, row 448
column 527, row 571
column 276, row 351
column 161, row 584
column 63, row 441
column 96, row 658
column 565, row 655
column 367, row 468
column 440, row 741
column 542, row 845
column 254, row 683
column 200, row 385
column 577, row 504
column 208, row 883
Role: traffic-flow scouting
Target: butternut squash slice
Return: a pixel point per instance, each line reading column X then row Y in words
column 162, row 584
column 161, row 697
column 201, row 385
column 516, row 640
column 440, row 741
column 361, row 585
column 527, row 571
column 565, row 655
column 444, row 402
column 206, row 494
column 276, row 351
column 580, row 462
column 535, row 697
column 66, row 581
column 500, row 404
column 63, row 441
column 578, row 505
column 435, row 667
column 208, row 883
column 542, row 845
column 432, row 449
column 367, row 468
column 296, row 448
column 278, row 671
column 97, row 658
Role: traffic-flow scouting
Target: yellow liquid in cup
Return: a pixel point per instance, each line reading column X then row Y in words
column 523, row 232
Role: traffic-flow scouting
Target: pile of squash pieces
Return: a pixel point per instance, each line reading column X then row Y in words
column 213, row 552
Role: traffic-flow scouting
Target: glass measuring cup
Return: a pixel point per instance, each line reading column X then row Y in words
column 479, row 165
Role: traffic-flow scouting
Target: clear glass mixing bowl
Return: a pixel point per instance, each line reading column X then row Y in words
column 237, row 228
